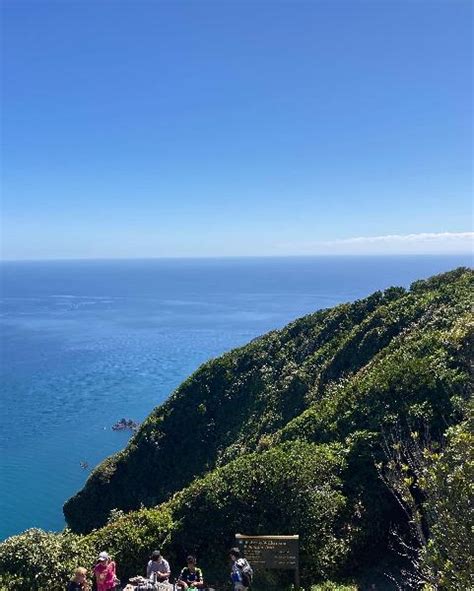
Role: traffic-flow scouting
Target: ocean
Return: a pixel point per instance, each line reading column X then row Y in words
column 85, row 343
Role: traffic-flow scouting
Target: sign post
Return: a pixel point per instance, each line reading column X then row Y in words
column 276, row 552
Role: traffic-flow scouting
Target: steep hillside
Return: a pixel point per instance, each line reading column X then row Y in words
column 329, row 374
column 290, row 434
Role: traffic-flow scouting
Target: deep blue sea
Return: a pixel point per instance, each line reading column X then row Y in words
column 85, row 343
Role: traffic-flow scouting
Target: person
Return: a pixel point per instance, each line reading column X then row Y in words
column 158, row 568
column 191, row 576
column 105, row 572
column 79, row 581
column 240, row 579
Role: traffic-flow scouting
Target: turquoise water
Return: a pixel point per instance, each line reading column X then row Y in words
column 84, row 344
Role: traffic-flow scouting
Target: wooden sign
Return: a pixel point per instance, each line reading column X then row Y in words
column 276, row 552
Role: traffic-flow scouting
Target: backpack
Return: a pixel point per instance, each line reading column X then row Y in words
column 246, row 571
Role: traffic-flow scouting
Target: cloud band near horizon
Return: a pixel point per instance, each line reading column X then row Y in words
column 434, row 243
column 420, row 243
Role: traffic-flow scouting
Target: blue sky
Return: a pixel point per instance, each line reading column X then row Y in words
column 135, row 129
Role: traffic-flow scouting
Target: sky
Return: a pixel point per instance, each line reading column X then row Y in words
column 148, row 129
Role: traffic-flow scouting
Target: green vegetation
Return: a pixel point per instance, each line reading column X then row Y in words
column 291, row 434
column 434, row 485
column 40, row 560
column 448, row 484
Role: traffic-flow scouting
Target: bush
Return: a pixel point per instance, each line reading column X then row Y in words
column 435, row 486
column 448, row 485
column 292, row 488
column 41, row 561
column 131, row 538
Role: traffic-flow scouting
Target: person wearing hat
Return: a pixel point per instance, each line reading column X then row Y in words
column 105, row 574
column 158, row 568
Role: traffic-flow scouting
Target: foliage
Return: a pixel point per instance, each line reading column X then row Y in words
column 42, row 561
column 295, row 487
column 434, row 485
column 448, row 486
column 131, row 538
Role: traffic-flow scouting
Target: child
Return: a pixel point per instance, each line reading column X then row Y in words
column 104, row 572
column 78, row 582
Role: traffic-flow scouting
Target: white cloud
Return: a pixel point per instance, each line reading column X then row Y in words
column 421, row 243
column 422, row 237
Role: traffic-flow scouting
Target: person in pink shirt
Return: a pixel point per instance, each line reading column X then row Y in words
column 104, row 572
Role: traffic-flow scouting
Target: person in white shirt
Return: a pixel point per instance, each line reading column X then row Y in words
column 158, row 568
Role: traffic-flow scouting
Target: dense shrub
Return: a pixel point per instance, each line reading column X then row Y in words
column 434, row 484
column 42, row 561
column 131, row 538
column 293, row 488
column 448, row 486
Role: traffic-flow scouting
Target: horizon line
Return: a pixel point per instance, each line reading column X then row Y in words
column 250, row 256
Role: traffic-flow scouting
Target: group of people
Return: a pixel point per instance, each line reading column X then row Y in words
column 158, row 573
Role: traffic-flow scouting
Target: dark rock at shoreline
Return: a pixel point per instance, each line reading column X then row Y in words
column 125, row 424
